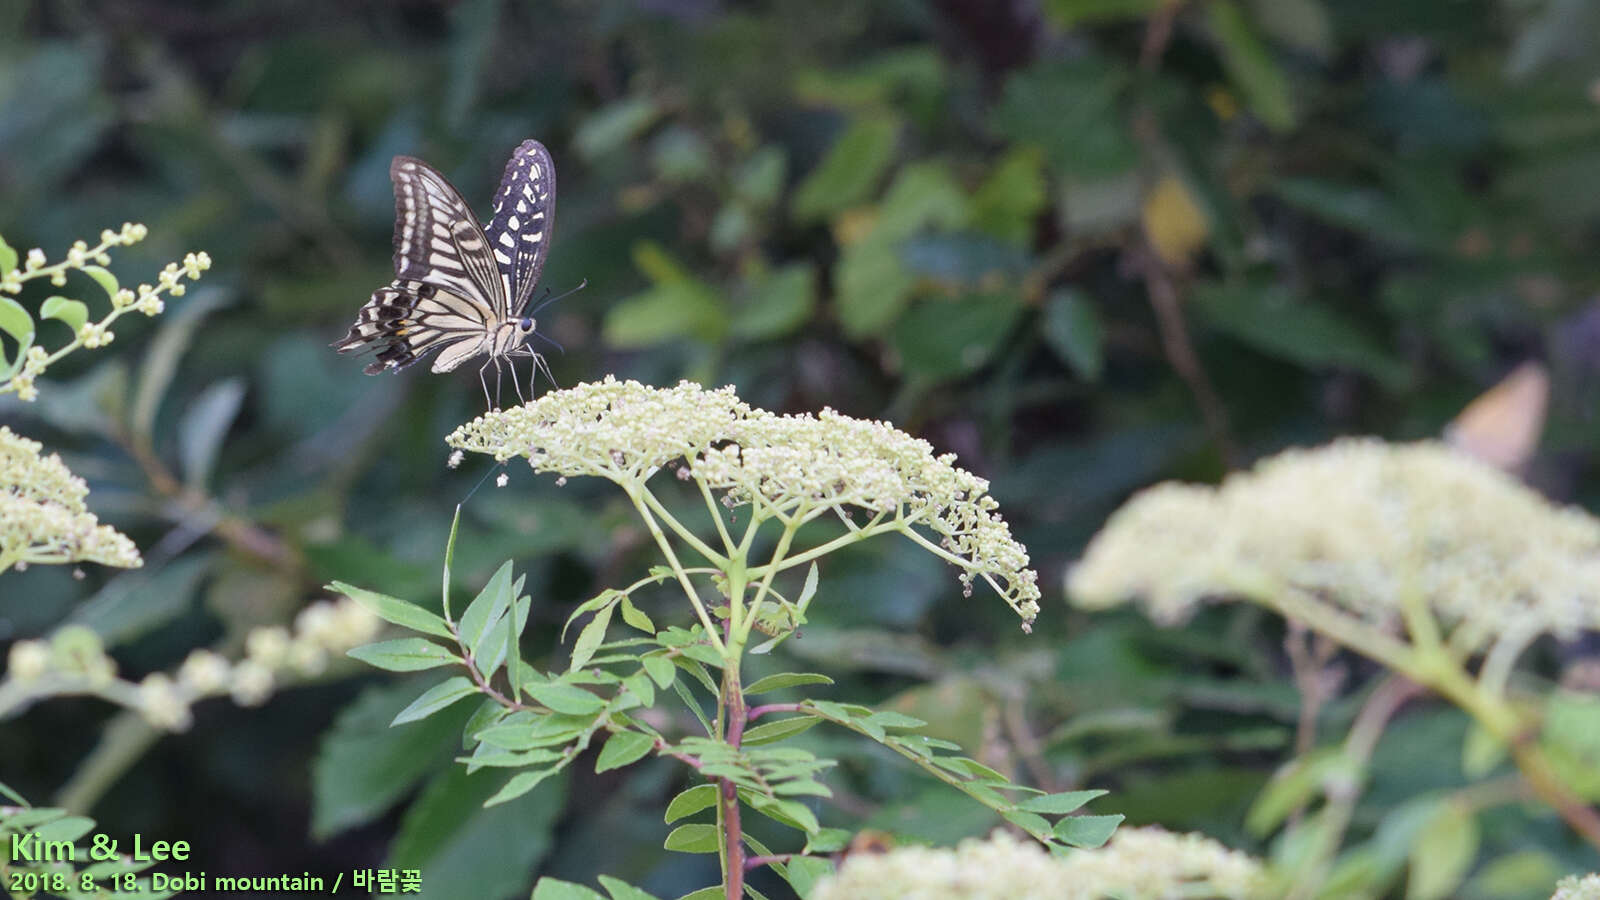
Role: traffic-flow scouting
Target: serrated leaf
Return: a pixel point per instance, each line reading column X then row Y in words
column 694, row 838
column 553, row 889
column 564, row 698
column 520, row 784
column 70, row 312
column 785, row 680
column 691, row 801
column 636, row 617
column 394, row 610
column 590, row 638
column 486, row 609
column 603, row 598
column 623, row 748
column 792, row 813
column 770, row 732
column 404, row 655
column 436, row 698
column 1087, row 832
column 1059, row 804
column 104, row 278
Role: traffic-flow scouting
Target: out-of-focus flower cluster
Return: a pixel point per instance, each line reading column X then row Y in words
column 42, row 514
column 74, row 660
column 625, row 431
column 81, row 257
column 1575, row 888
column 1137, row 864
column 1359, row 525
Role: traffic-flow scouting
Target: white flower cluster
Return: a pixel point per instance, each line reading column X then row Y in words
column 42, row 514
column 321, row 630
column 80, row 256
column 781, row 462
column 1137, row 864
column 626, row 431
column 1574, row 888
column 618, row 430
column 1358, row 525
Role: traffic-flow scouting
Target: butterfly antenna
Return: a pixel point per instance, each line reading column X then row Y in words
column 543, row 303
column 550, row 340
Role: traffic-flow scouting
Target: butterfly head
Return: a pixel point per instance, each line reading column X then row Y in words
column 526, row 324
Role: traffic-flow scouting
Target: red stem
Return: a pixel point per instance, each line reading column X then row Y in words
column 756, row 862
column 757, row 712
column 733, row 834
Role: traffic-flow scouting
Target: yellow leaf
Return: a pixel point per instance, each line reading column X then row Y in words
column 1176, row 227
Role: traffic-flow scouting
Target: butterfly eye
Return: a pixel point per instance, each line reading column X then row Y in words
column 527, row 323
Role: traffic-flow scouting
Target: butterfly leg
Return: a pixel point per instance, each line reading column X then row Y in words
column 484, row 383
column 517, row 382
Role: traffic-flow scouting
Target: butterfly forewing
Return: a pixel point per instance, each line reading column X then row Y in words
column 437, row 239
column 524, row 213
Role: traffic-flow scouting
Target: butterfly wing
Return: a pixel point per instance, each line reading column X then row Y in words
column 447, row 293
column 524, row 214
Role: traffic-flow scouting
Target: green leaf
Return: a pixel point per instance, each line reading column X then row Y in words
column 1367, row 211
column 1059, row 804
column 1073, row 111
column 15, row 321
column 590, row 638
column 610, row 127
column 939, row 340
column 849, row 171
column 713, row 892
column 621, row 890
column 204, row 426
column 873, row 287
column 779, row 304
column 436, row 698
column 70, row 312
column 792, row 813
column 363, row 766
column 623, row 748
column 564, row 698
column 803, row 873
column 8, row 257
column 1296, row 785
column 395, row 610
column 828, row 840
column 486, row 609
column 104, row 278
column 694, row 839
column 552, row 889
column 1008, row 201
column 1272, row 319
column 1250, row 64
column 405, row 655
column 1481, row 752
column 785, row 680
column 636, row 617
column 603, row 598
column 769, row 732
column 1072, row 329
column 661, row 670
column 1087, row 832
column 448, row 834
column 1443, row 854
column 520, row 784
column 691, row 801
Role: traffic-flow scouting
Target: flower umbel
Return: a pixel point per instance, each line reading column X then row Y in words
column 1359, row 528
column 1137, row 864
column 789, row 468
column 43, row 518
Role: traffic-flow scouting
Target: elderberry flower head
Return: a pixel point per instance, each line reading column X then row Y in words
column 43, row 518
column 1137, row 864
column 626, row 431
column 1356, row 525
column 1574, row 888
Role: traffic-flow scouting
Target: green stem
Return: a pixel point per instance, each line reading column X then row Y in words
column 711, row 507
column 684, row 534
column 634, row 493
column 742, row 631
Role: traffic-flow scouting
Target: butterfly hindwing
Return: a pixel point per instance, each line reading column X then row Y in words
column 524, row 214
column 407, row 319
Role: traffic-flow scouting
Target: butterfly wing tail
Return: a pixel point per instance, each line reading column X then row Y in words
column 381, row 326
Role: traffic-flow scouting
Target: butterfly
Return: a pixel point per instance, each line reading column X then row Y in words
column 458, row 289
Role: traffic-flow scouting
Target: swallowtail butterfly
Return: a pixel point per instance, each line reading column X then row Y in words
column 459, row 289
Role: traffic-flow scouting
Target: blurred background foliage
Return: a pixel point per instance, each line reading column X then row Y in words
column 1086, row 244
